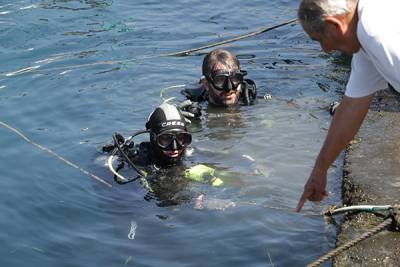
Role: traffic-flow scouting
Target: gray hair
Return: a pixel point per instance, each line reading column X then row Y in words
column 312, row 13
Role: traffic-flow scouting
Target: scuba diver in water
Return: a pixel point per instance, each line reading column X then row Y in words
column 222, row 84
column 158, row 162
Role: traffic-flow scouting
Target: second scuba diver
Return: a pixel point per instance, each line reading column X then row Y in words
column 222, row 84
column 158, row 162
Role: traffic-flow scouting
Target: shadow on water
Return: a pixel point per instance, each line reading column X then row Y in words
column 55, row 215
column 74, row 5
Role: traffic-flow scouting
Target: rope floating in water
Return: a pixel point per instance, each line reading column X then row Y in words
column 240, row 37
column 55, row 154
column 36, row 68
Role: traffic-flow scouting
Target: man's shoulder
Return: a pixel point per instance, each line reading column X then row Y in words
column 249, row 92
column 371, row 22
column 364, row 78
column 250, row 83
column 195, row 93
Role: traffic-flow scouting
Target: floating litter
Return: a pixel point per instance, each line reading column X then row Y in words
column 132, row 231
column 267, row 97
column 248, row 157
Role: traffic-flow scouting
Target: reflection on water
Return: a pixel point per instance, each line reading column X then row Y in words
column 227, row 123
column 54, row 216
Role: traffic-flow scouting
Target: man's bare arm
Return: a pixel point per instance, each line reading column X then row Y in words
column 344, row 126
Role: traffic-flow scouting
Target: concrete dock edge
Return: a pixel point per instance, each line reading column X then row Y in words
column 372, row 176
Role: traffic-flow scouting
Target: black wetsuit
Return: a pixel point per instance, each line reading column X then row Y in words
column 165, row 183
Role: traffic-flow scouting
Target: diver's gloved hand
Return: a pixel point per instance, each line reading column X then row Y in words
column 190, row 109
column 119, row 138
column 110, row 147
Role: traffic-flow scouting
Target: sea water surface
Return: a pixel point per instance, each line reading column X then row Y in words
column 74, row 72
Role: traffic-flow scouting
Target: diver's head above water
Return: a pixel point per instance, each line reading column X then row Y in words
column 168, row 134
column 223, row 78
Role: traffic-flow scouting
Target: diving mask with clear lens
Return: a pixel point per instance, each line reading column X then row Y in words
column 176, row 140
column 226, row 80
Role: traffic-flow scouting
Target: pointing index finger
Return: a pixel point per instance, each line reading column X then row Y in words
column 302, row 200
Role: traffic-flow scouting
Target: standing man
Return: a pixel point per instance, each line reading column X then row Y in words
column 370, row 31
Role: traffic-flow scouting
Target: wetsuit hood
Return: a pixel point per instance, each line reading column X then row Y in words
column 165, row 118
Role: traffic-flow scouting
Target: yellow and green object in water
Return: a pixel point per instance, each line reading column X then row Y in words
column 203, row 174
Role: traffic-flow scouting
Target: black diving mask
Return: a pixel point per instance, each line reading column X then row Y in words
column 175, row 140
column 225, row 80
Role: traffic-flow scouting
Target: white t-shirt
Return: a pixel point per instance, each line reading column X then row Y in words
column 378, row 61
